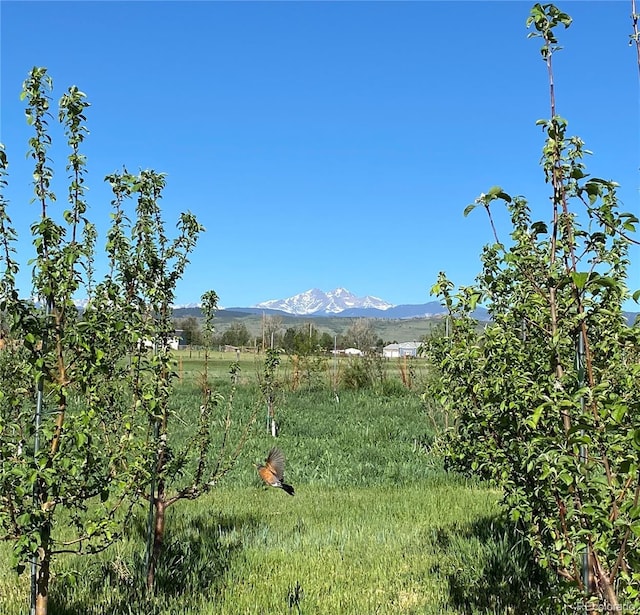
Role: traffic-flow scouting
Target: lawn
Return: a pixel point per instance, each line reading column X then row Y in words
column 376, row 525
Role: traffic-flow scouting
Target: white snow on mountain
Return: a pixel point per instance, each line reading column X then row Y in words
column 333, row 302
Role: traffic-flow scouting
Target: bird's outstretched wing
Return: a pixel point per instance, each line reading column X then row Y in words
column 275, row 462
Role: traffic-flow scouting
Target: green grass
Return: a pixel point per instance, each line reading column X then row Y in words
column 190, row 365
column 245, row 550
column 376, row 526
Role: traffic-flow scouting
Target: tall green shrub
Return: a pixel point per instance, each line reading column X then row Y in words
column 72, row 442
column 546, row 398
column 81, row 387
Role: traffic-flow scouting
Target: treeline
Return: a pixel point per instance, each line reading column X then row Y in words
column 303, row 339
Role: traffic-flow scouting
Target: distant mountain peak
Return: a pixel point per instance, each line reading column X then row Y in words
column 316, row 301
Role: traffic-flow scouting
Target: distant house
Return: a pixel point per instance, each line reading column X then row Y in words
column 172, row 342
column 353, row 352
column 404, row 349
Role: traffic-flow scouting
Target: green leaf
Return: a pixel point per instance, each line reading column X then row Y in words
column 468, row 209
column 24, row 519
column 564, row 19
column 580, row 279
column 566, row 477
column 534, row 419
column 619, row 412
column 539, row 228
column 474, row 298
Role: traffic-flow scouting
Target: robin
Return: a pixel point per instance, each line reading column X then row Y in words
column 272, row 472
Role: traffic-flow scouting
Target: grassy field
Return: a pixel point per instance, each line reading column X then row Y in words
column 189, row 365
column 376, row 525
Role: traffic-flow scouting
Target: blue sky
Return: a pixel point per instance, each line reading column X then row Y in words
column 323, row 144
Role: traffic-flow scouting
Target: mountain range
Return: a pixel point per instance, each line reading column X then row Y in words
column 339, row 303
column 342, row 303
column 315, row 301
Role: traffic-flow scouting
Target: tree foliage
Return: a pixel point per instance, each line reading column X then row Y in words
column 303, row 340
column 73, row 446
column 191, row 333
column 547, row 398
column 236, row 335
column 360, row 334
column 85, row 401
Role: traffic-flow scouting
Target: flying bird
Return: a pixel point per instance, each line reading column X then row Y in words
column 272, row 472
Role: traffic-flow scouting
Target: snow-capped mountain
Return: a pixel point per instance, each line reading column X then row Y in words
column 315, row 301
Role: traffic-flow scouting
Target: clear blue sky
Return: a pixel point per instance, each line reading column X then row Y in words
column 323, row 144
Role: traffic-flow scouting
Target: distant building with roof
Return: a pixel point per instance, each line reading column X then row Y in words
column 353, row 352
column 403, row 349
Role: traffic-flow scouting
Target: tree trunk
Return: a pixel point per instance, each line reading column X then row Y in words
column 43, row 574
column 158, row 536
column 606, row 590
